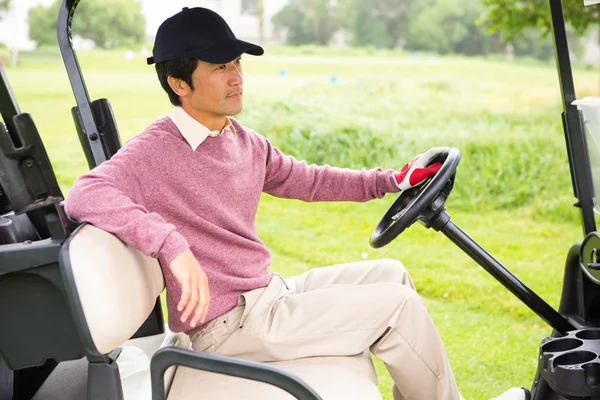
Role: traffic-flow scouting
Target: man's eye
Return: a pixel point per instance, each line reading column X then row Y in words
column 238, row 61
column 223, row 66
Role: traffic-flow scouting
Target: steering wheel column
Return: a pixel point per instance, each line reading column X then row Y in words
column 442, row 222
column 426, row 204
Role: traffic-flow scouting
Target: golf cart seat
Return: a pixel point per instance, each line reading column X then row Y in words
column 112, row 288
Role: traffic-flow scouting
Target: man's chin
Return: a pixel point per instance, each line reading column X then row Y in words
column 233, row 105
column 234, row 111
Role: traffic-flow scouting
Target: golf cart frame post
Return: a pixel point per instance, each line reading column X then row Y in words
column 577, row 149
column 98, row 145
column 580, row 297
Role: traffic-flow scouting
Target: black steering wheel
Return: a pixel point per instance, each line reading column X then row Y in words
column 413, row 203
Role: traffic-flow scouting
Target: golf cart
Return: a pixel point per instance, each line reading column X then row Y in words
column 65, row 335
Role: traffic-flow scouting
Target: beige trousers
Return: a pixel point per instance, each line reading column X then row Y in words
column 340, row 311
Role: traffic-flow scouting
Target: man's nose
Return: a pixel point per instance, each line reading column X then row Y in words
column 237, row 76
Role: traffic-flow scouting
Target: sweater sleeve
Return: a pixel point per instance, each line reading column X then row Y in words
column 110, row 197
column 289, row 178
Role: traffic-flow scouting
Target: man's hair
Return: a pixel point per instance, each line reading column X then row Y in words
column 180, row 68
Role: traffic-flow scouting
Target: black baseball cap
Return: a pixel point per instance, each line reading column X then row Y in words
column 199, row 33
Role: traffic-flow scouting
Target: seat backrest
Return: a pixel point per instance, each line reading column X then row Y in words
column 112, row 288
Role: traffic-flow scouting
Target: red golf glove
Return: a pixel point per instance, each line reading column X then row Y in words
column 419, row 168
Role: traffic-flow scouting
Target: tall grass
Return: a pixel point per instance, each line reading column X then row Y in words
column 513, row 155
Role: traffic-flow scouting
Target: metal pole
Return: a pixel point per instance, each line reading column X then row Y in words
column 89, row 133
column 572, row 124
column 9, row 108
column 506, row 278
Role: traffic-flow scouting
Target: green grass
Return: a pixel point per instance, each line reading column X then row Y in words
column 512, row 192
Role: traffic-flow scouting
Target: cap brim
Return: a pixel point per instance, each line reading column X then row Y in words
column 225, row 52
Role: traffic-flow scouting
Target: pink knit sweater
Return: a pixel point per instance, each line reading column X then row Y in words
column 159, row 196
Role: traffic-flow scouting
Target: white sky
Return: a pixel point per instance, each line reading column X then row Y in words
column 13, row 29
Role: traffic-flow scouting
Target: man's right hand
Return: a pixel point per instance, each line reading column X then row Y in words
column 195, row 295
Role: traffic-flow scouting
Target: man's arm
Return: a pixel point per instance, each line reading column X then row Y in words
column 109, row 197
column 289, row 178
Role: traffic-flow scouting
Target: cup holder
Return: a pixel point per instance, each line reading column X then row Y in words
column 592, row 374
column 571, row 364
column 561, row 345
column 589, row 334
column 574, row 358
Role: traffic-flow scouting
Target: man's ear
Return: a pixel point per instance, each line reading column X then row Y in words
column 179, row 86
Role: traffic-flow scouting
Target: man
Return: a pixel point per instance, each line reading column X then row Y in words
column 186, row 190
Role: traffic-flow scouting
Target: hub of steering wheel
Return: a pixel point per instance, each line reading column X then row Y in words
column 424, row 202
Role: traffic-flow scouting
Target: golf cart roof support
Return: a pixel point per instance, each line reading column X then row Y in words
column 9, row 108
column 572, row 123
column 88, row 135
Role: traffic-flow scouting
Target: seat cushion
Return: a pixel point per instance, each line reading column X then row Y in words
column 349, row 378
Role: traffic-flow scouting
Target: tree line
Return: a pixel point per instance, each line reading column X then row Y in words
column 108, row 23
column 472, row 27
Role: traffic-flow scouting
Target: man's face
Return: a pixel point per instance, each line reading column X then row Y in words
column 217, row 88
